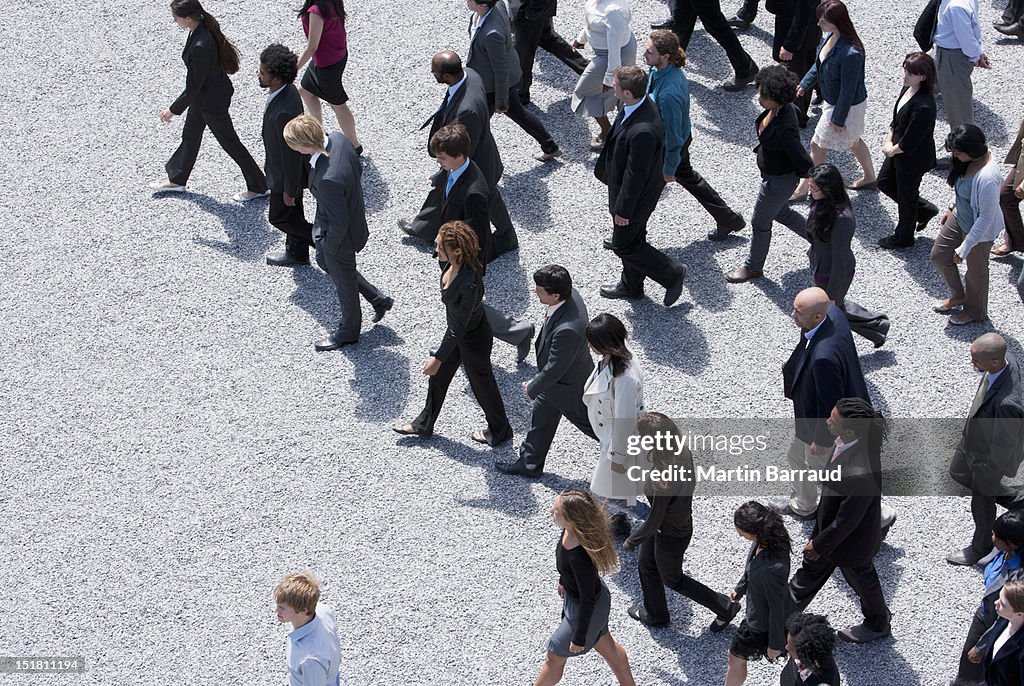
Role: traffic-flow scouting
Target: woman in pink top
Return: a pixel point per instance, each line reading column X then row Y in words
column 323, row 22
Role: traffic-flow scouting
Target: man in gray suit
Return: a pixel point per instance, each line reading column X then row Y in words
column 564, row 365
column 339, row 229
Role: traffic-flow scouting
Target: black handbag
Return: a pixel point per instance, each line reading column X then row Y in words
column 924, row 29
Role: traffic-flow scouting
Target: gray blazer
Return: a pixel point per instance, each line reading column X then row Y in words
column 563, row 358
column 336, row 183
column 493, row 56
column 832, row 260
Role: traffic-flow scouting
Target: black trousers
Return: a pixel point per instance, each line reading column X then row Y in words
column 640, row 259
column 904, row 189
column 708, row 197
column 547, row 413
column 661, row 565
column 967, row 670
column 474, row 354
column 1013, row 11
column 873, row 326
column 987, row 491
column 526, row 121
column 710, row 14
column 812, row 576
column 531, row 34
column 803, row 57
column 349, row 284
column 292, row 221
column 179, row 167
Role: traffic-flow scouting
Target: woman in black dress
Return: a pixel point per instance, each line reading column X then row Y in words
column 585, row 550
column 209, row 57
column 467, row 341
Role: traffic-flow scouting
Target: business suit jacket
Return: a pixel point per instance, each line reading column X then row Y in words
column 1007, row 666
column 492, row 55
column 340, row 222
column 469, row 107
column 631, row 161
column 816, row 377
column 848, row 529
column 1016, row 156
column 206, row 85
column 765, row 582
column 991, row 438
column 563, row 358
column 537, row 9
column 913, row 129
column 285, row 168
column 468, row 201
column 779, row 148
column 834, row 258
column 463, row 310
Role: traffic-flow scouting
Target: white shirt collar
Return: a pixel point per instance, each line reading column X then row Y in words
column 270, row 96
column 551, row 309
column 454, row 88
column 629, row 109
column 316, row 155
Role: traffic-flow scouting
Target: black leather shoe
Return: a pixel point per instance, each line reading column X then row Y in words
column 922, row 223
column 608, row 245
column 740, row 81
column 667, row 24
column 519, row 468
column 1015, row 29
column 742, row 274
column 965, row 558
column 283, row 259
column 619, row 292
column 504, row 249
column 673, row 292
column 410, row 430
column 722, row 231
column 523, row 349
column 890, row 243
column 381, row 308
column 737, row 22
column 720, row 623
column 332, row 342
column 406, row 226
column 640, row 614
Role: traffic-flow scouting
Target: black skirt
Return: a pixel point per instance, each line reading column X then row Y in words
column 325, row 82
column 749, row 644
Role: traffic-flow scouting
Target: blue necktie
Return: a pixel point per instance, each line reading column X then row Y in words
column 451, row 182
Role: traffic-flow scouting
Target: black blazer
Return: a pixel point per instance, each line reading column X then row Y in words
column 469, row 107
column 913, row 129
column 336, row 183
column 468, row 201
column 463, row 310
column 816, row 377
column 834, row 259
column 765, row 583
column 992, row 437
column 1004, row 668
column 287, row 170
column 630, row 163
column 563, row 358
column 206, row 84
column 848, row 529
column 779, row 150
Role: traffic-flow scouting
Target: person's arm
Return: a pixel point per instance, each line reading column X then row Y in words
column 565, row 346
column 289, row 161
column 917, row 129
column 852, row 511
column 776, row 590
column 478, row 216
column 659, row 506
column 741, row 586
column 967, row 37
column 627, row 390
column 810, row 79
column 828, row 389
column 671, row 108
column 494, row 45
column 332, row 199
column 851, row 74
column 794, row 149
column 986, row 211
column 316, row 32
column 795, row 36
column 642, row 149
column 474, row 127
column 313, row 672
column 618, row 32
column 198, row 62
column 589, row 584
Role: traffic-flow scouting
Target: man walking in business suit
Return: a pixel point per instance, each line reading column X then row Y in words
column 685, row 16
column 465, row 102
column 534, row 28
column 630, row 165
column 990, row 446
column 339, row 228
column 285, row 168
column 563, row 367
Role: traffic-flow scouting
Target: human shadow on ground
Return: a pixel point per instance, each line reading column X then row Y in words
column 721, row 106
column 705, row 280
column 376, row 192
column 918, row 266
column 380, row 375
column 245, row 225
column 667, row 335
column 526, row 195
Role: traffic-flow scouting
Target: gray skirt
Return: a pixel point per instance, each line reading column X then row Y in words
column 590, row 96
column 559, row 641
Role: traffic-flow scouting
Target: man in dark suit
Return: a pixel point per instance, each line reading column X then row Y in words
column 847, row 533
column 684, row 18
column 339, row 228
column 286, row 169
column 823, row 368
column 465, row 102
column 630, row 165
column 534, row 28
column 990, row 446
column 563, row 367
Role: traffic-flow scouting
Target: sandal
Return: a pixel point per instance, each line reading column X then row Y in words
column 947, row 306
column 1001, row 250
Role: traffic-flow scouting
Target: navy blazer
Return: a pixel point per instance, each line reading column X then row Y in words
column 563, row 357
column 206, row 84
column 1005, row 668
column 336, row 183
column 286, row 169
column 913, row 129
column 840, row 78
column 631, row 160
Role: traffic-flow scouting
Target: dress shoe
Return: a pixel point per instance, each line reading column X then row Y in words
column 927, row 215
column 964, row 558
column 737, row 22
column 873, row 186
column 1015, row 29
column 888, row 519
column 249, row 196
column 640, row 614
column 523, row 349
column 484, row 436
column 359, row 150
column 519, row 468
column 547, row 156
column 743, row 274
column 673, row 292
column 498, row 252
column 721, row 622
column 285, row 259
column 740, row 81
column 597, row 144
column 983, row 562
column 784, row 507
column 890, row 243
column 607, row 244
column 619, row 292
column 410, row 430
column 722, row 231
column 406, row 226
column 163, row 187
column 862, row 634
column 332, row 342
column 381, row 308
column 667, row 24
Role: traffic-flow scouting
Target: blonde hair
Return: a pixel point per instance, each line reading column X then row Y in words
column 305, row 131
column 300, row 592
column 588, row 521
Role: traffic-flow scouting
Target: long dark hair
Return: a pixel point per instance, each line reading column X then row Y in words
column 835, row 12
column 822, row 216
column 656, row 424
column 325, row 7
column 966, row 138
column 754, row 518
column 226, row 50
column 607, row 334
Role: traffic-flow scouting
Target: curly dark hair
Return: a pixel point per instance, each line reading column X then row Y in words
column 813, row 637
column 777, row 84
column 280, row 62
column 765, row 523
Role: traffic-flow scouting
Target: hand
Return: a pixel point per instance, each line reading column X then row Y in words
column 575, row 649
column 561, row 591
column 785, row 55
column 974, row 656
column 733, row 597
column 1019, row 190
column 166, row 116
column 431, row 367
column 669, row 178
column 773, row 654
column 837, row 128
column 526, row 391
column 984, row 62
column 957, row 259
column 800, row 91
column 621, row 221
column 289, row 200
column 618, row 468
column 627, row 546
column 888, row 150
column 945, row 218
column 501, row 110
column 817, row 450
column 810, row 553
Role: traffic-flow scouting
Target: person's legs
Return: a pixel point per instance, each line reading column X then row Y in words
column 291, row 220
column 437, row 389
column 506, row 328
column 863, row 154
column 687, row 177
column 476, row 360
column 947, row 241
column 1009, row 203
column 615, row 655
column 983, row 512
column 804, row 500
column 179, row 166
column 527, row 38
column 551, row 671
column 954, row 77
column 312, row 103
column 669, row 557
column 715, row 23
column 551, row 41
column 224, row 131
column 653, row 589
column 528, row 122
column 772, row 197
column 504, row 238
column 864, row 581
column 748, row 10
column 544, row 422
column 976, row 281
column 810, row 577
column 341, row 267
column 640, row 259
column 370, row 293
column 347, row 123
column 818, row 155
column 684, row 18
column 735, row 670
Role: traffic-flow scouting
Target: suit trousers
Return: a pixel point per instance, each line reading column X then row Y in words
column 506, row 328
column 540, row 32
column 1012, row 13
column 803, row 57
column 701, row 190
column 526, row 121
column 661, row 565
column 474, row 355
column 804, row 500
column 350, row 284
column 772, row 204
column 905, row 189
column 504, row 238
column 954, row 80
column 640, row 259
column 873, row 326
column 548, row 410
column 1009, row 203
column 987, row 491
column 292, row 221
column 748, row 10
column 710, row 14
column 974, row 288
column 179, row 167
column 967, row 670
column 863, row 579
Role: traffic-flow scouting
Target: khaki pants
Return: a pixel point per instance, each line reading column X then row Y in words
column 804, row 500
column 975, row 293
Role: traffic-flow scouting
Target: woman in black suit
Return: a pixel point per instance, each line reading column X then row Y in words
column 209, row 57
column 1003, row 658
column 467, row 341
column 909, row 150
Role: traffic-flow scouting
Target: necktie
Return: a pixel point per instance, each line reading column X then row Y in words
column 451, row 182
column 979, row 397
column 440, row 110
column 650, row 79
column 618, row 121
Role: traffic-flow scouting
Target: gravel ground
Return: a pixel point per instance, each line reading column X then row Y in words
column 173, row 444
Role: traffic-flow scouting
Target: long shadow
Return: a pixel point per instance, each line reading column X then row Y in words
column 245, row 225
column 704, row 278
column 918, row 265
column 550, row 71
column 527, row 197
column 988, row 121
column 314, row 292
column 668, row 337
column 380, row 375
column 376, row 192
column 782, row 293
column 721, row 106
column 506, row 284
